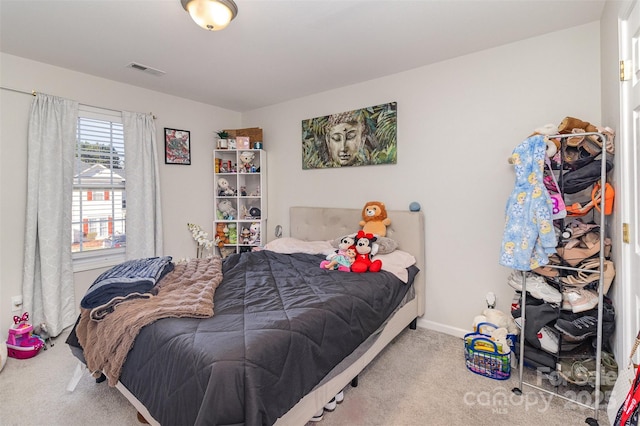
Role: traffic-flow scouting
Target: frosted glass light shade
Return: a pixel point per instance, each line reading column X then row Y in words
column 212, row 15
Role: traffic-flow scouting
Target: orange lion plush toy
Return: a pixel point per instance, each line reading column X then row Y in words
column 374, row 219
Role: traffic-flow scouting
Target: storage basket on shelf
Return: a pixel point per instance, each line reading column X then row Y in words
column 485, row 357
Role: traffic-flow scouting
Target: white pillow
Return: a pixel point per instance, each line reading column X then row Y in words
column 293, row 245
column 397, row 263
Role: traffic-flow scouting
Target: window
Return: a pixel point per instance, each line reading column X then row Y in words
column 98, row 212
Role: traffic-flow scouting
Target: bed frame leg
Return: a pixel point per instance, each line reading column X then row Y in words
column 414, row 324
column 354, row 382
column 77, row 375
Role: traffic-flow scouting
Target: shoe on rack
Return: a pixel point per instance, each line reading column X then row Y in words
column 566, row 304
column 576, row 228
column 609, row 195
column 577, row 250
column 565, row 369
column 608, row 313
column 575, row 141
column 579, row 282
column 589, row 145
column 578, row 210
column 580, row 299
column 591, row 272
column 569, row 123
column 536, row 286
column 340, row 397
column 317, row 416
column 594, row 143
column 574, row 158
column 546, row 271
column 580, row 328
column 584, row 371
column 548, row 340
column 610, row 134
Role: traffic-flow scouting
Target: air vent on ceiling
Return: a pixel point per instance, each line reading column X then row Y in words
column 145, row 68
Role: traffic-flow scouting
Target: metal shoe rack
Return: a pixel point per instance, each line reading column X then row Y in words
column 596, row 405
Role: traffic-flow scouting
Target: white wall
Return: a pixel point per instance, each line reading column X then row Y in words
column 458, row 122
column 186, row 190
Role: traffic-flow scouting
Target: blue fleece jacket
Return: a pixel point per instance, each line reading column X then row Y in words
column 529, row 237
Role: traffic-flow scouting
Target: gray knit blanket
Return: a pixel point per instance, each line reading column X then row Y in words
column 128, row 280
column 187, row 291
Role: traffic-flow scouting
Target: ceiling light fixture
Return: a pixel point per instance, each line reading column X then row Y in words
column 212, row 15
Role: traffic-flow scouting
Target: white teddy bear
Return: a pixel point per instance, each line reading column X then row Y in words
column 224, row 188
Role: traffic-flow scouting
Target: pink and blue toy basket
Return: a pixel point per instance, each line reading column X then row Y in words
column 484, row 357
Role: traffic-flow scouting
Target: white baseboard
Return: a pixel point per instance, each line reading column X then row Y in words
column 442, row 328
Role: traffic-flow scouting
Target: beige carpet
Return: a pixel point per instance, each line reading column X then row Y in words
column 420, row 379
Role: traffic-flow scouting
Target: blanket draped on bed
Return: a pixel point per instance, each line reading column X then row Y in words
column 187, row 291
column 133, row 277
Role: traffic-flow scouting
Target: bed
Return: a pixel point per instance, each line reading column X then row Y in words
column 232, row 369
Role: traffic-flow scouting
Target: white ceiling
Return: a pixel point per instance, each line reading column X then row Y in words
column 275, row 50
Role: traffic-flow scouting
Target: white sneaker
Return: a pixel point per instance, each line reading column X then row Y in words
column 317, row 416
column 536, row 286
column 340, row 397
column 548, row 340
column 331, row 405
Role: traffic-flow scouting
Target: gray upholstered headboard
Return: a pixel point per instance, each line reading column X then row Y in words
column 322, row 223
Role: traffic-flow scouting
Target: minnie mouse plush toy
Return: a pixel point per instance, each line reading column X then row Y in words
column 364, row 247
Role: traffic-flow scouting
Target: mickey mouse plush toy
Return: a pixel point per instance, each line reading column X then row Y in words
column 364, row 247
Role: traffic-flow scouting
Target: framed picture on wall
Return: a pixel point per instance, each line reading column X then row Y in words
column 361, row 137
column 177, row 146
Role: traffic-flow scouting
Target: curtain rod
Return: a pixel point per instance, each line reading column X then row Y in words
column 33, row 93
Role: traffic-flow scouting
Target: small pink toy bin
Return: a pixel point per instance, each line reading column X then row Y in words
column 21, row 344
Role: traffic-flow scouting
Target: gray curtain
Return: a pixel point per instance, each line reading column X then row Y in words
column 144, row 217
column 47, row 286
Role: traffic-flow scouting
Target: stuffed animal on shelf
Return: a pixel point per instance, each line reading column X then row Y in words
column 226, row 209
column 245, row 234
column 246, row 159
column 254, row 233
column 220, row 236
column 225, row 229
column 374, row 219
column 341, row 262
column 233, row 233
column 224, row 188
column 364, row 246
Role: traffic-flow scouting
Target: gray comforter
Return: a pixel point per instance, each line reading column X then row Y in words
column 281, row 323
